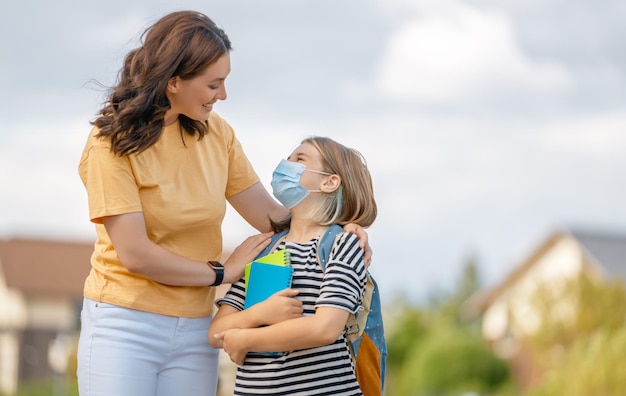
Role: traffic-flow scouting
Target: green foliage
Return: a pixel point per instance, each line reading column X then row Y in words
column 447, row 306
column 578, row 308
column 593, row 366
column 580, row 345
column 432, row 352
column 451, row 363
column 410, row 328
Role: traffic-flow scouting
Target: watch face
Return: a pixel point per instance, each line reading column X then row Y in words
column 216, row 264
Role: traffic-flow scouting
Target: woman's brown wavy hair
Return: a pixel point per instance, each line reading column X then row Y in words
column 181, row 44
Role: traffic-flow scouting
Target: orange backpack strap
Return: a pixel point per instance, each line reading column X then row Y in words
column 367, row 368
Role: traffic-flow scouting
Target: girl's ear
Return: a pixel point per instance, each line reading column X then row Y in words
column 331, row 184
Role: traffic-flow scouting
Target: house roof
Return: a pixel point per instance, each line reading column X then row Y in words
column 45, row 267
column 605, row 249
column 608, row 249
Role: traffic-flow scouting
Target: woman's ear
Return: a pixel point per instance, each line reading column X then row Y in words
column 172, row 85
column 331, row 184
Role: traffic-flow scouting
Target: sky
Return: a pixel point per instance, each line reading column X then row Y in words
column 487, row 125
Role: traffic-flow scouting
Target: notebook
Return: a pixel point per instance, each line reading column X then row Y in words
column 279, row 257
column 266, row 276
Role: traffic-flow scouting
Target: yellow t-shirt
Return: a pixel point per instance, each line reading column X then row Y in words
column 181, row 187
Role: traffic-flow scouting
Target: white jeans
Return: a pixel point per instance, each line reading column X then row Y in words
column 127, row 352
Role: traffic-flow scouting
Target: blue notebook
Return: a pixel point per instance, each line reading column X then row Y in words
column 263, row 280
column 279, row 257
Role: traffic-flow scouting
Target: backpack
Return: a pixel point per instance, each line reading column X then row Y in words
column 365, row 332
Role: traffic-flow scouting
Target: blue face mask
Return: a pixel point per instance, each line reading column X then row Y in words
column 286, row 183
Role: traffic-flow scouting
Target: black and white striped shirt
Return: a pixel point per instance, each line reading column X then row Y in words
column 325, row 370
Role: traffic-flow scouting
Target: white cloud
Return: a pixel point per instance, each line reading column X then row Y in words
column 598, row 136
column 458, row 53
column 113, row 33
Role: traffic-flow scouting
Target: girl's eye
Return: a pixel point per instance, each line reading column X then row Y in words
column 214, row 87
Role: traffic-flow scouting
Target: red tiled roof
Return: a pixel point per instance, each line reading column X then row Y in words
column 45, row 267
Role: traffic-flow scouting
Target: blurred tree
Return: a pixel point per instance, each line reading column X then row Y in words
column 593, row 366
column 449, row 309
column 581, row 342
column 578, row 307
column 432, row 352
column 452, row 362
column 410, row 329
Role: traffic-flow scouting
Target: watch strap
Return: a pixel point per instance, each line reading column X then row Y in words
column 219, row 272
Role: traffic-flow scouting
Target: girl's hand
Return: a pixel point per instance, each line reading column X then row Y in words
column 243, row 254
column 233, row 343
column 278, row 307
column 354, row 228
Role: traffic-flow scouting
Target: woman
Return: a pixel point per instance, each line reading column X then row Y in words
column 159, row 166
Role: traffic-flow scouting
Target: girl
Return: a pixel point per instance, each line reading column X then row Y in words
column 322, row 183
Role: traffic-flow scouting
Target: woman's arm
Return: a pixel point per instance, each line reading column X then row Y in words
column 142, row 256
column 257, row 207
column 280, row 306
column 323, row 328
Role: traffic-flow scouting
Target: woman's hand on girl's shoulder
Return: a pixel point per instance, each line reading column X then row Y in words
column 354, row 228
column 247, row 251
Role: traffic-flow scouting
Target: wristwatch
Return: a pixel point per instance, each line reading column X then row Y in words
column 219, row 272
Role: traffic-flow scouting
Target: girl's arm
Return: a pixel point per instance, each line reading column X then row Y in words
column 323, row 328
column 341, row 292
column 281, row 306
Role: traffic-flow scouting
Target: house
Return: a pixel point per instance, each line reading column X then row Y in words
column 507, row 310
column 41, row 284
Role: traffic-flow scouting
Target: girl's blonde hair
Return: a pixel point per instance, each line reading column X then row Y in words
column 353, row 201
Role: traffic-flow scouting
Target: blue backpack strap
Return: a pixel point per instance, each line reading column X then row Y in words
column 275, row 240
column 326, row 243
